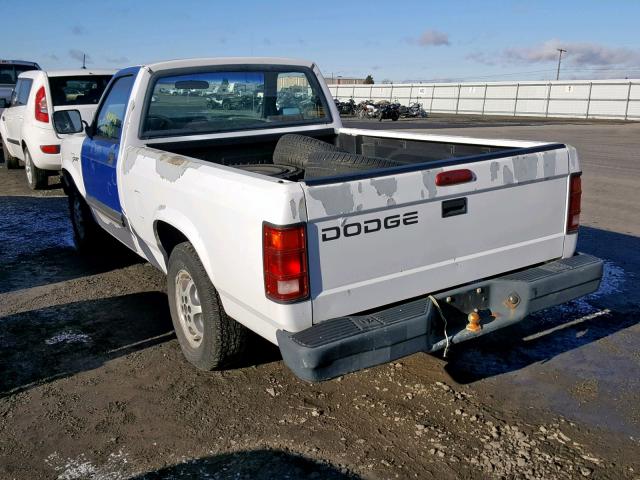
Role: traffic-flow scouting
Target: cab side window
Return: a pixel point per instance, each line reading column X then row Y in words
column 20, row 94
column 112, row 110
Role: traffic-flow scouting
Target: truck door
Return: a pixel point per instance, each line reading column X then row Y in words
column 100, row 151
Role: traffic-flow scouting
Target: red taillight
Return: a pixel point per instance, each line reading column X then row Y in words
column 50, row 148
column 575, row 196
column 284, row 252
column 453, row 177
column 42, row 112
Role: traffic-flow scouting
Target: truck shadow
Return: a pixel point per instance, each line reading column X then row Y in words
column 43, row 345
column 255, row 464
column 37, row 245
column 549, row 333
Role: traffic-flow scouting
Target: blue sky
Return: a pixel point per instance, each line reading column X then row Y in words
column 402, row 40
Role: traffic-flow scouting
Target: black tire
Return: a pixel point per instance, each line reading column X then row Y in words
column 222, row 340
column 87, row 234
column 294, row 150
column 326, row 164
column 10, row 162
column 36, row 177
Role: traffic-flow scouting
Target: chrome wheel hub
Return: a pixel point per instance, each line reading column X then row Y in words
column 189, row 308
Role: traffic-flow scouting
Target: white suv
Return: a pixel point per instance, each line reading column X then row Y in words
column 27, row 134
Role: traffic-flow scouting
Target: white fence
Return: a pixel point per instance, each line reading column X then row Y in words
column 614, row 99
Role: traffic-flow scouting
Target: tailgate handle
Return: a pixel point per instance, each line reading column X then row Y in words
column 457, row 206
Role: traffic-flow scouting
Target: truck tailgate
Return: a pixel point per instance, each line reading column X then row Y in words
column 378, row 239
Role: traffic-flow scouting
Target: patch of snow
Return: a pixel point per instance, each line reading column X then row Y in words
column 80, row 468
column 68, row 337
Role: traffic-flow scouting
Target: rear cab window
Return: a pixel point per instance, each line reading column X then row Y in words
column 77, row 90
column 223, row 100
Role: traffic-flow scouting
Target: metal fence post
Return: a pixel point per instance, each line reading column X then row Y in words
column 484, row 98
column 589, row 99
column 458, row 100
column 515, row 104
column 433, row 94
column 338, row 91
column 391, row 94
column 353, row 91
column 626, row 110
column 546, row 112
column 371, row 92
column 410, row 93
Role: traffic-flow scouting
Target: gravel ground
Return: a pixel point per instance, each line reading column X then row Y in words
column 93, row 383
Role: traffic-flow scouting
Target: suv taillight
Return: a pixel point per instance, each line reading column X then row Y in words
column 42, row 112
column 575, row 196
column 284, row 253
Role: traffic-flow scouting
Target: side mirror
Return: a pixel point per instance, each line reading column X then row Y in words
column 67, row 121
column 3, row 103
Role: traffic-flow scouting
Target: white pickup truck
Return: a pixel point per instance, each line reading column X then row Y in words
column 347, row 248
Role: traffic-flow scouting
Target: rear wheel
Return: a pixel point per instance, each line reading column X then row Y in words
column 36, row 177
column 10, row 161
column 208, row 337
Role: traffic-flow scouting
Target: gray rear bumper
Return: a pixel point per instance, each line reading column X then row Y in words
column 347, row 344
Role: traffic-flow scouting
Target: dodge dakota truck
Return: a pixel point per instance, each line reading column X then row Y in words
column 347, row 248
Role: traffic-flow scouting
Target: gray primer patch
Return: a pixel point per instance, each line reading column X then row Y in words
column 359, row 187
column 171, row 167
column 549, row 164
column 162, row 207
column 507, row 175
column 385, row 186
column 302, row 210
column 495, row 168
column 525, row 167
column 294, row 210
column 429, row 180
column 335, row 199
column 358, row 207
column 422, row 192
column 130, row 158
column 391, row 202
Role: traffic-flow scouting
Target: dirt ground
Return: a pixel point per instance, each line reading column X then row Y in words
column 93, row 384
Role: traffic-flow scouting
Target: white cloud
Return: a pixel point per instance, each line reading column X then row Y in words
column 578, row 54
column 431, row 38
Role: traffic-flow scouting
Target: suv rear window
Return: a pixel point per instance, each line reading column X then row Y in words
column 227, row 100
column 9, row 72
column 84, row 90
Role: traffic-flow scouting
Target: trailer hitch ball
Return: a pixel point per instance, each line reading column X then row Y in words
column 474, row 322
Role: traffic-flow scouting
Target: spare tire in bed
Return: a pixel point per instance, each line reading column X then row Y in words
column 327, row 164
column 294, row 149
column 286, row 172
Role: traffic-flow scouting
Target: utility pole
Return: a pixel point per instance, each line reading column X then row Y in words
column 560, row 52
column 84, row 61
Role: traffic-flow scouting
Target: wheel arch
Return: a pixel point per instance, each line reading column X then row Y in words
column 171, row 229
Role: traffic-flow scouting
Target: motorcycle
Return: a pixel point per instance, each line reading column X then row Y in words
column 389, row 111
column 414, row 110
column 367, row 109
column 346, row 108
